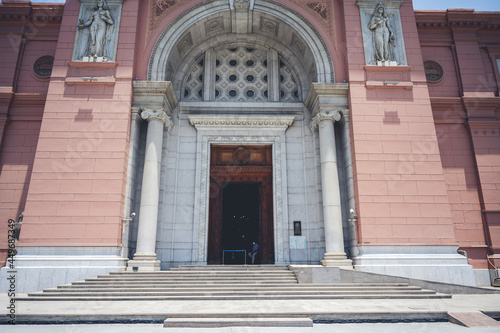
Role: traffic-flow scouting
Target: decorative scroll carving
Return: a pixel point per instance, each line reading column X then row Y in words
column 241, row 156
column 241, row 4
column 160, row 115
column 319, row 7
column 333, row 117
column 163, row 5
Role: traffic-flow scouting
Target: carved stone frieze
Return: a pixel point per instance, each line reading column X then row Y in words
column 241, row 122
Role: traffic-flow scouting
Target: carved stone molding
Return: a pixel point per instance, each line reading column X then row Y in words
column 241, row 15
column 206, row 122
column 241, row 4
column 159, row 115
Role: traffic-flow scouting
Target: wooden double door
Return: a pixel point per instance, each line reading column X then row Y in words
column 241, row 204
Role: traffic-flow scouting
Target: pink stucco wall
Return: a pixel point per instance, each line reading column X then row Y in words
column 466, row 112
column 76, row 193
column 22, row 97
column 400, row 189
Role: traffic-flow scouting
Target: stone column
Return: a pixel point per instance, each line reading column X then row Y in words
column 145, row 255
column 334, row 236
column 325, row 101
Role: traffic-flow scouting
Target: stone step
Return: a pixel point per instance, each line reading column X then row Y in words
column 230, row 267
column 221, row 283
column 199, row 275
column 235, row 293
column 210, row 322
column 218, row 287
column 197, row 280
column 82, row 284
column 230, row 297
column 184, row 283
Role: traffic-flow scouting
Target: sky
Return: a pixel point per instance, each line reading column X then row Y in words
column 478, row 5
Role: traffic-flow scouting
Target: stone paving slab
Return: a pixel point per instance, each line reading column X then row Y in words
column 473, row 319
column 317, row 328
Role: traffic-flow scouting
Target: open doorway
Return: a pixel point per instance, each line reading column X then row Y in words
column 241, row 205
column 240, row 221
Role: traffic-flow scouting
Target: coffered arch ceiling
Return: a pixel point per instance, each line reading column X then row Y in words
column 211, row 25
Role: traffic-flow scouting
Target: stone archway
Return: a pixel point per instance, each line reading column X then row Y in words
column 195, row 31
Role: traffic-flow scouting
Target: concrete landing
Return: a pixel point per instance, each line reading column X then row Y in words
column 320, row 311
column 247, row 321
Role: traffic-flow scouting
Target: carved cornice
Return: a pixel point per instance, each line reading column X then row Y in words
column 456, row 19
column 157, row 115
column 327, row 97
column 320, row 117
column 155, row 94
column 206, row 122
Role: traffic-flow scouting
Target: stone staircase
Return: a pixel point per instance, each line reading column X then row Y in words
column 267, row 282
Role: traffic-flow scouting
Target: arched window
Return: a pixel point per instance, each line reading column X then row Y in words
column 241, row 74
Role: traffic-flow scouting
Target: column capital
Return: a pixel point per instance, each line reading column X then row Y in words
column 333, row 117
column 159, row 115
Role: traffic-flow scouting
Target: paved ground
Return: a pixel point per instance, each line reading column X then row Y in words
column 318, row 328
column 390, row 308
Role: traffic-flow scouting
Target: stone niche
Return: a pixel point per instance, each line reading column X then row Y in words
column 374, row 37
column 99, row 24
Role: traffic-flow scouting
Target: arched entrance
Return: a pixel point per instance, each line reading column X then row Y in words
column 241, row 82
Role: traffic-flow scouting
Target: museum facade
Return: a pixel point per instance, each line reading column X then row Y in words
column 144, row 135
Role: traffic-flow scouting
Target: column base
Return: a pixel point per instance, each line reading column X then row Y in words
column 144, row 263
column 337, row 260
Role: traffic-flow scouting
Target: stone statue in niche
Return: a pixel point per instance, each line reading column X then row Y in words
column 383, row 35
column 101, row 31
